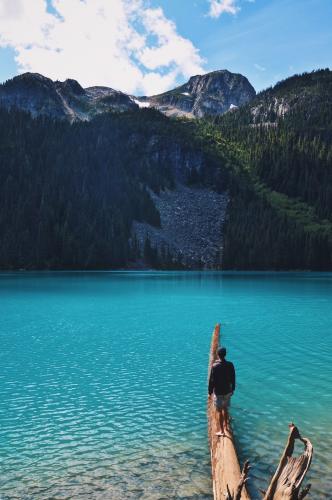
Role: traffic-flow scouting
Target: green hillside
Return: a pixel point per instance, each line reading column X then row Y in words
column 283, row 212
column 70, row 192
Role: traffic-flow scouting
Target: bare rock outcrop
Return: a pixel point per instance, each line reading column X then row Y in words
column 191, row 229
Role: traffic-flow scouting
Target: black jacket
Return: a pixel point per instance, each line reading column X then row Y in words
column 222, row 378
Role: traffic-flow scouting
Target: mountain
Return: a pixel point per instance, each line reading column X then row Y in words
column 137, row 188
column 284, row 137
column 39, row 95
column 305, row 95
column 90, row 194
column 211, row 94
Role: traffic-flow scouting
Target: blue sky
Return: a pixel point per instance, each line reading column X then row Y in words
column 147, row 46
column 282, row 36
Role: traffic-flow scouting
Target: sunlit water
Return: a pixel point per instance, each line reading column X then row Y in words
column 103, row 379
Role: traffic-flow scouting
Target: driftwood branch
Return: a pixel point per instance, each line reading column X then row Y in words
column 242, row 482
column 291, row 471
column 229, row 483
column 304, row 492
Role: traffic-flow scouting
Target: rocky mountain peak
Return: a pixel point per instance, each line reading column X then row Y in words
column 71, row 86
column 210, row 94
column 34, row 93
column 30, row 77
column 29, row 80
column 40, row 95
column 216, row 80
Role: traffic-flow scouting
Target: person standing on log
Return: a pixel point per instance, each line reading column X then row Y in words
column 222, row 386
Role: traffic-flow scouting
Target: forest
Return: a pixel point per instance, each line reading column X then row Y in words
column 70, row 192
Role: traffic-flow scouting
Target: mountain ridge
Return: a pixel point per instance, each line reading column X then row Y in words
column 310, row 89
column 39, row 95
column 212, row 93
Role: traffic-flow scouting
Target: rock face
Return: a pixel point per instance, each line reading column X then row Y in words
column 211, row 94
column 304, row 94
column 191, row 229
column 39, row 95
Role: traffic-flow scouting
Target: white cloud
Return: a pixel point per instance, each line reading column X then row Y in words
column 259, row 67
column 218, row 7
column 119, row 43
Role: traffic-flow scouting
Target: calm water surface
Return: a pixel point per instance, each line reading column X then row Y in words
column 103, row 379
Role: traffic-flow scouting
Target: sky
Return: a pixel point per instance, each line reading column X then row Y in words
column 145, row 47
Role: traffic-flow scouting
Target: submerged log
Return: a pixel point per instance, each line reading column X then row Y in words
column 228, row 481
column 287, row 480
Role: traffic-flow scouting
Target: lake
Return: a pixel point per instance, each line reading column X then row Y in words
column 103, row 382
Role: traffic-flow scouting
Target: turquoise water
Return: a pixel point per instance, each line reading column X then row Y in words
column 103, row 379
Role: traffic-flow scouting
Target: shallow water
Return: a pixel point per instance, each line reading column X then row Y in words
column 103, row 379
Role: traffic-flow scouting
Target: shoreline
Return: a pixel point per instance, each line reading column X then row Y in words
column 167, row 271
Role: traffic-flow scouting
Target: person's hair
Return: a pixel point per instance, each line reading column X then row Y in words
column 222, row 352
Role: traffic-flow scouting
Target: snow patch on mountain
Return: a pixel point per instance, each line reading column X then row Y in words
column 142, row 104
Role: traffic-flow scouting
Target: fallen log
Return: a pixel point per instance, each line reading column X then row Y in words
column 228, row 481
column 291, row 471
